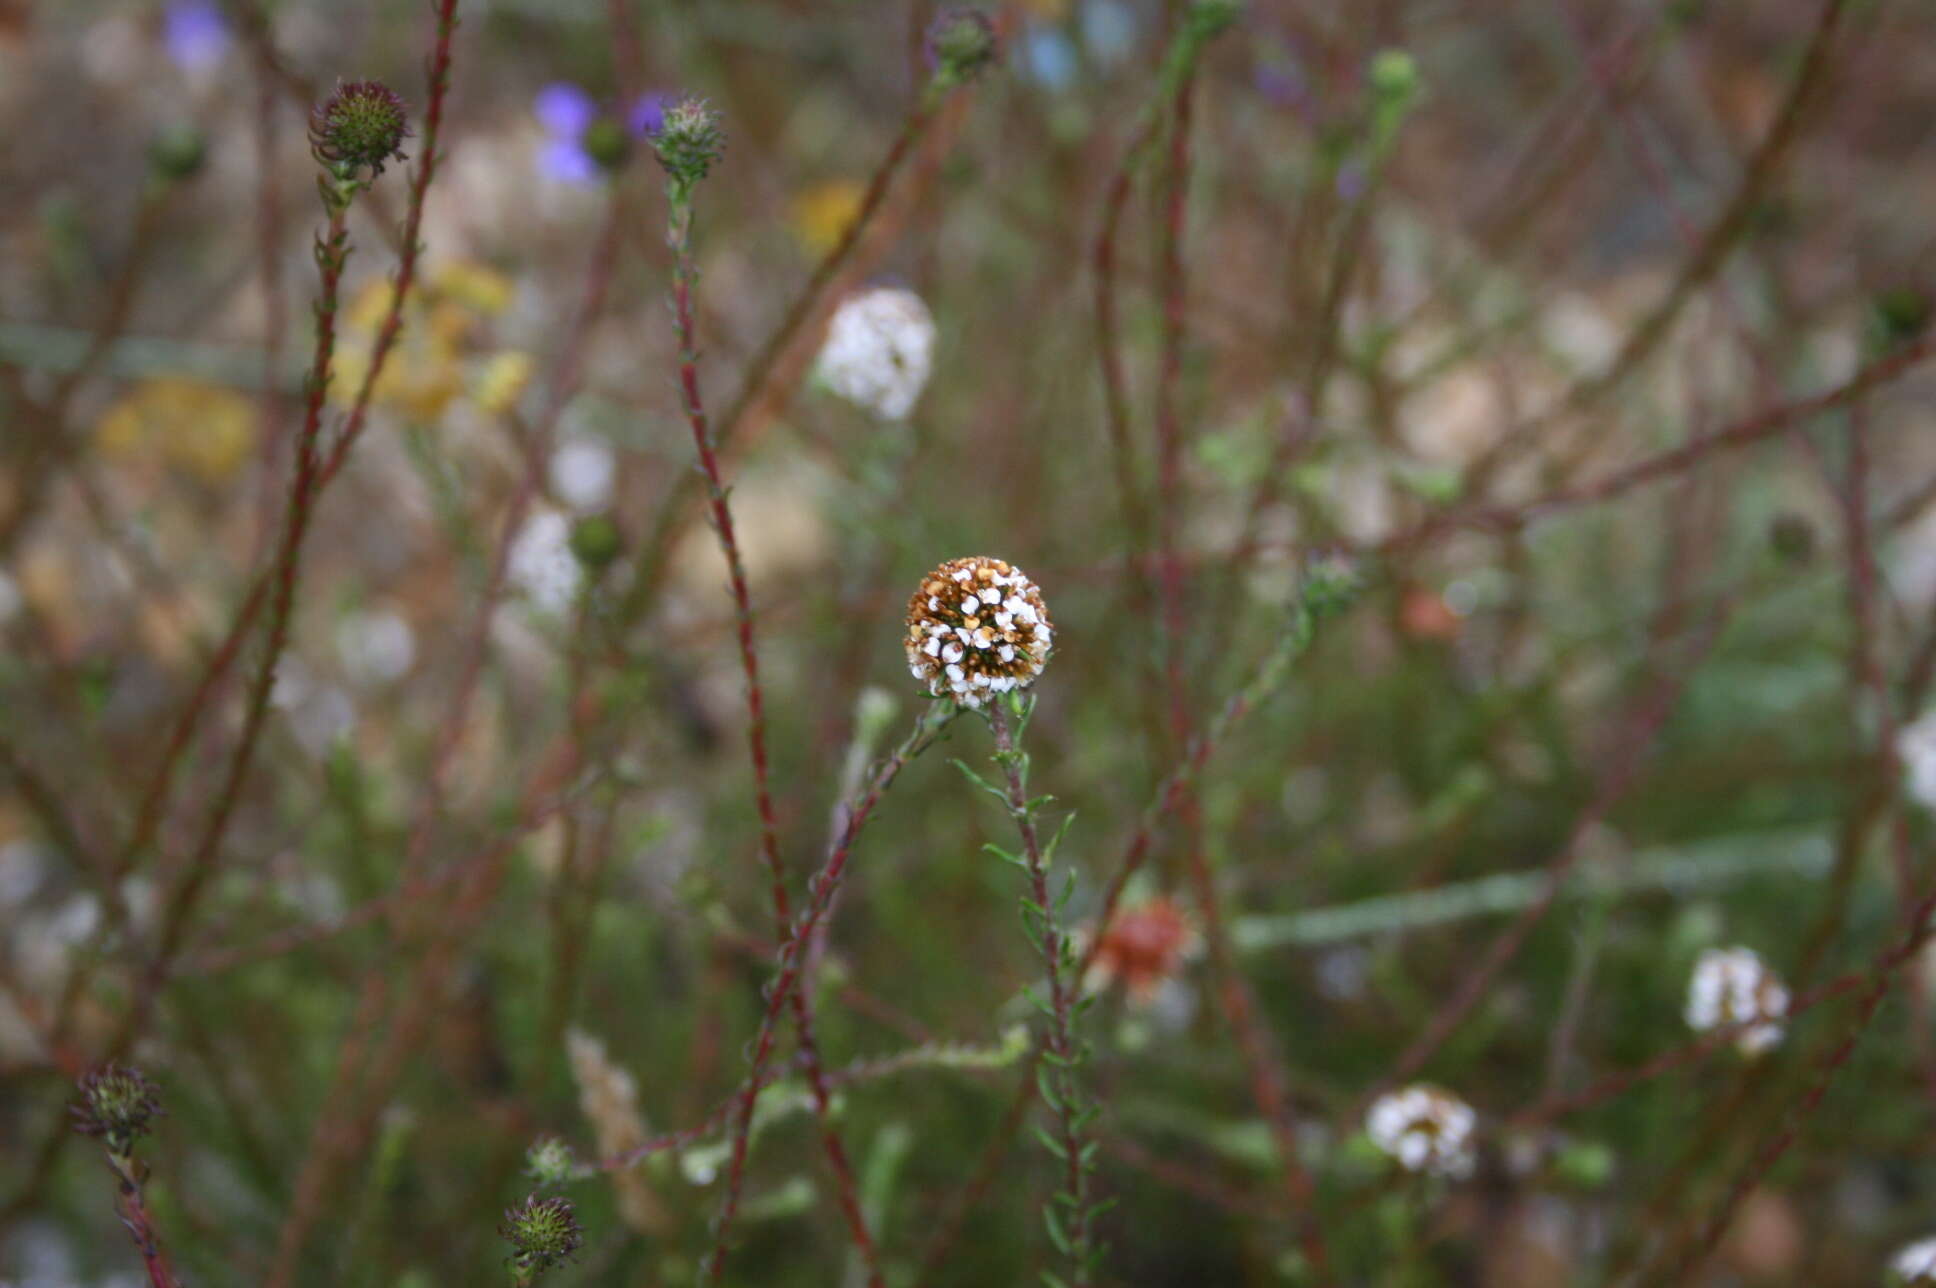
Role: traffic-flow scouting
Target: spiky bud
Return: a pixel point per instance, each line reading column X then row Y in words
column 176, row 152
column 542, row 1233
column 548, row 1161
column 689, row 142
column 117, row 1103
column 596, row 541
column 977, row 627
column 961, row 44
column 361, row 125
column 1330, row 585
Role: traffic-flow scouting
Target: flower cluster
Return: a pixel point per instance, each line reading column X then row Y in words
column 879, row 351
column 975, row 628
column 1915, row 1265
column 1733, row 985
column 1427, row 1129
column 1144, row 946
column 689, row 142
column 117, row 1104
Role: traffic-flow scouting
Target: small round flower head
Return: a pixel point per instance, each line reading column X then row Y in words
column 961, row 44
column 879, row 351
column 542, row 1233
column 361, row 125
column 977, row 627
column 1732, row 985
column 1145, row 946
column 548, row 1161
column 116, row 1104
column 1915, row 1265
column 1426, row 1128
column 689, row 141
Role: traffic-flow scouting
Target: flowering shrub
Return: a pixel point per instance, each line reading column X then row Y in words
column 472, row 477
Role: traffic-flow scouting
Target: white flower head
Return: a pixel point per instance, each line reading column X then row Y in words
column 542, row 564
column 1426, row 1128
column 1733, row 985
column 1916, row 1264
column 879, row 350
column 977, row 627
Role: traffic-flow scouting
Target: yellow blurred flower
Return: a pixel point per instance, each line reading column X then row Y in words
column 204, row 430
column 473, row 286
column 823, row 213
column 502, row 381
column 425, row 371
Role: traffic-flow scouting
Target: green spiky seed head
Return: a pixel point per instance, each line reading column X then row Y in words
column 961, row 45
column 176, row 152
column 117, row 1104
column 361, row 125
column 607, row 144
column 542, row 1233
column 689, row 142
column 548, row 1161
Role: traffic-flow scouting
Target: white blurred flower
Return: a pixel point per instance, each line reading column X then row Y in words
column 542, row 565
column 1916, row 748
column 1426, row 1128
column 582, row 471
column 1731, row 985
column 879, row 350
column 1916, row 1264
column 375, row 647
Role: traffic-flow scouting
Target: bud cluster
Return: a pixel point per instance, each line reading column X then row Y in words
column 360, row 126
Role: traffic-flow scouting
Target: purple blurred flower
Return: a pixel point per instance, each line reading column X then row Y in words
column 195, row 34
column 567, row 111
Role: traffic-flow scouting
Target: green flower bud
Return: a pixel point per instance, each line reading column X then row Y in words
column 1792, row 537
column 1208, row 18
column 596, row 541
column 542, row 1234
column 176, row 152
column 607, row 144
column 116, row 1104
column 362, row 125
column 1900, row 313
column 1393, row 75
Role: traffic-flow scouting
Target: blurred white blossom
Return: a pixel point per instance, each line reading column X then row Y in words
column 1916, row 1264
column 1426, row 1128
column 879, row 350
column 582, row 471
column 1916, row 747
column 1732, row 985
column 542, row 565
column 375, row 647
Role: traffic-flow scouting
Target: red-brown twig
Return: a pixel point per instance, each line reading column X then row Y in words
column 787, row 971
column 846, row 1190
